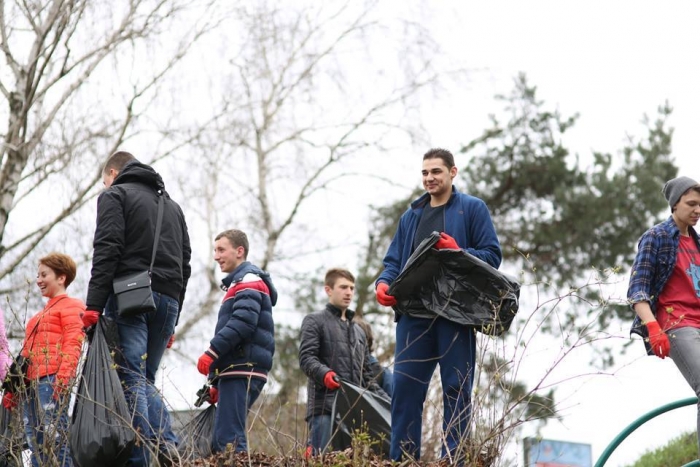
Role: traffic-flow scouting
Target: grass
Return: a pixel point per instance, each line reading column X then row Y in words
column 677, row 452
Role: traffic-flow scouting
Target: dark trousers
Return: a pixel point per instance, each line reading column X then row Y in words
column 421, row 344
column 236, row 396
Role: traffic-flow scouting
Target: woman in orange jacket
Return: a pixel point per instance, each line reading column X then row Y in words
column 52, row 343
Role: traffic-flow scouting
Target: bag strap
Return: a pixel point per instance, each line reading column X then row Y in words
column 159, row 223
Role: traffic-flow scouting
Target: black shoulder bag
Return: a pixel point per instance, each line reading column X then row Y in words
column 133, row 291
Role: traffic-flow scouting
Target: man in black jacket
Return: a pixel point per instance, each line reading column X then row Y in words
column 332, row 347
column 126, row 221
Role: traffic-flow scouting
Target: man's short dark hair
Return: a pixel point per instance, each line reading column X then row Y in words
column 439, row 153
column 236, row 238
column 334, row 274
column 117, row 161
column 61, row 265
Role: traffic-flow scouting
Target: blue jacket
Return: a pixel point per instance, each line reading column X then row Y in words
column 656, row 257
column 467, row 220
column 244, row 343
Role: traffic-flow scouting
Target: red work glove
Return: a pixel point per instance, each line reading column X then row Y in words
column 331, row 381
column 446, row 242
column 658, row 340
column 90, row 318
column 382, row 297
column 213, row 395
column 205, row 362
column 170, row 341
column 8, row 401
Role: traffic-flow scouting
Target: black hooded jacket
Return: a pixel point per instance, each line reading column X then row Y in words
column 126, row 222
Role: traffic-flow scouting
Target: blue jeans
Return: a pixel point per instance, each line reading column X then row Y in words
column 388, row 381
column 320, row 433
column 236, row 396
column 685, row 352
column 142, row 342
column 420, row 345
column 159, row 417
column 46, row 424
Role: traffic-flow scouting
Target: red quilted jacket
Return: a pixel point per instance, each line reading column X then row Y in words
column 54, row 338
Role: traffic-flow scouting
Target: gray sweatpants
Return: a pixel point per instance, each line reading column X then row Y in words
column 685, row 352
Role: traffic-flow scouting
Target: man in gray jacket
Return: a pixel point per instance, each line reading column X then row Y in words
column 332, row 347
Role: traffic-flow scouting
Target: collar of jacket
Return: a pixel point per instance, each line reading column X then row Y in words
column 425, row 199
column 337, row 312
column 235, row 275
column 669, row 225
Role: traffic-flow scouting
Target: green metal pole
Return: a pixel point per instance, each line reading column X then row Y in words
column 641, row 421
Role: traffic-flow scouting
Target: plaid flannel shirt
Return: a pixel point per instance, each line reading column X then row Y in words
column 653, row 265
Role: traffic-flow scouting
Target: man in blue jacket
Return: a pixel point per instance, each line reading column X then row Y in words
column 239, row 356
column 421, row 343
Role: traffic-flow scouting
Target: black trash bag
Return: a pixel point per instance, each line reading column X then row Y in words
column 357, row 408
column 101, row 432
column 197, row 434
column 457, row 286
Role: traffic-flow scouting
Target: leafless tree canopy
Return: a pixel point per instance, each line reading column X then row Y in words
column 72, row 90
column 284, row 130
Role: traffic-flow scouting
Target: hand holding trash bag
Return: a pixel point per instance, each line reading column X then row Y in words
column 457, row 286
column 446, row 242
column 658, row 340
column 90, row 318
column 213, row 395
column 382, row 297
column 331, row 381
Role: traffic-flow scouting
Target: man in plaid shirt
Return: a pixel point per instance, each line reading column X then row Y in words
column 664, row 288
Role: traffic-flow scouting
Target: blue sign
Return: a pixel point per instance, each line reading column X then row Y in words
column 551, row 453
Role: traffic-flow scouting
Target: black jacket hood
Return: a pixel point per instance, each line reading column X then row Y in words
column 136, row 172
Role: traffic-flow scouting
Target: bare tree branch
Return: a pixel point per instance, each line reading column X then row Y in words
column 58, row 66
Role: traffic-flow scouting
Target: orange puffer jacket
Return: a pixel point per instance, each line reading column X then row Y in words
column 54, row 338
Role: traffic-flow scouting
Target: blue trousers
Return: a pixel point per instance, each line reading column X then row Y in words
column 46, row 424
column 142, row 342
column 236, row 396
column 159, row 417
column 421, row 344
column 319, row 433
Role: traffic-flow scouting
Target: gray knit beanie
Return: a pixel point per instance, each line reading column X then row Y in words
column 674, row 189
